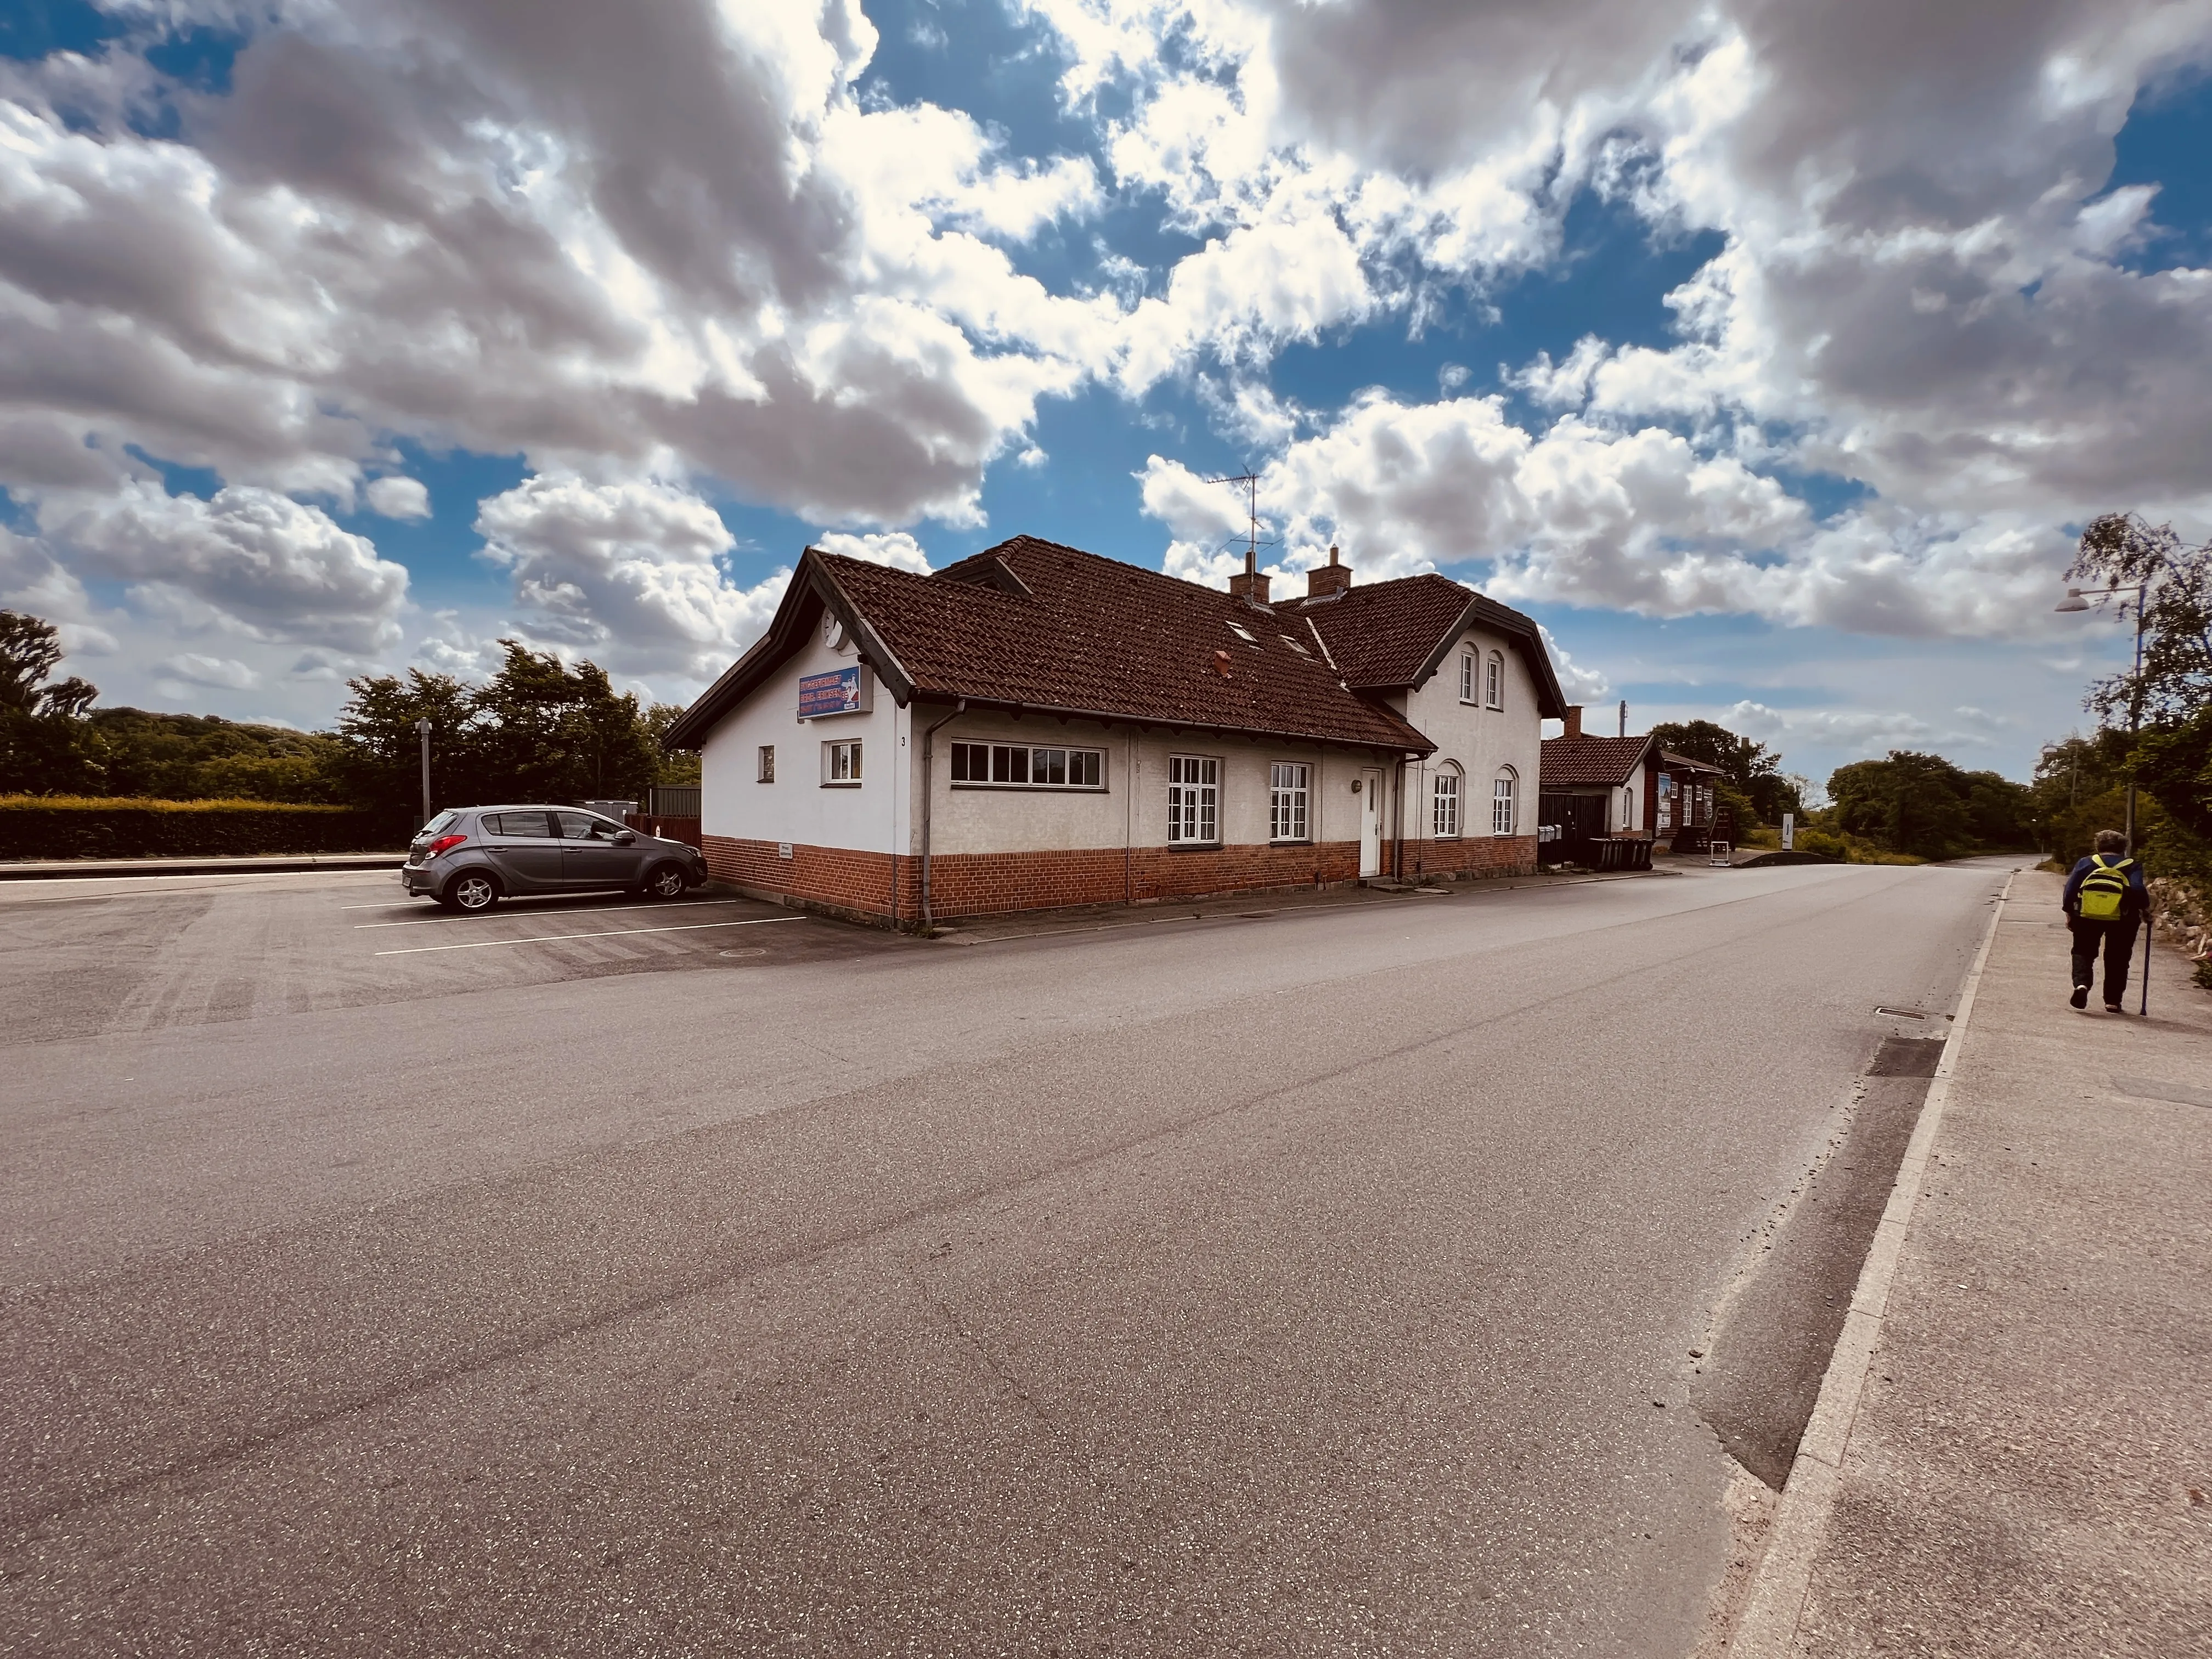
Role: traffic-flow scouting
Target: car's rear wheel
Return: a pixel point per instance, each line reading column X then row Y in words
column 666, row 882
column 471, row 893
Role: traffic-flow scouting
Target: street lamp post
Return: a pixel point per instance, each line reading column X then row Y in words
column 2076, row 601
column 423, row 735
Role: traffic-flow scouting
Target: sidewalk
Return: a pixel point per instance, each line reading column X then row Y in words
column 210, row 865
column 2028, row 1468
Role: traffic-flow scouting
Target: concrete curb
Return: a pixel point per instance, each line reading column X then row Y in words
column 273, row 864
column 1768, row 1628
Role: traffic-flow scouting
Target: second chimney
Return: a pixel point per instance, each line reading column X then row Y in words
column 1326, row 579
column 1574, row 720
column 1250, row 585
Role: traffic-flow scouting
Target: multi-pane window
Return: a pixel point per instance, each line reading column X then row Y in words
column 1193, row 797
column 767, row 762
column 1446, row 819
column 1286, row 801
column 1502, row 803
column 1467, row 677
column 1494, row 687
column 840, row 762
column 1023, row 766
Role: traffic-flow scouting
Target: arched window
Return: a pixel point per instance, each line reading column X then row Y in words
column 1467, row 677
column 1504, row 790
column 1494, row 686
column 1445, row 823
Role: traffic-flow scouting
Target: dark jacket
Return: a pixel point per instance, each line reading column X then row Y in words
column 2133, row 902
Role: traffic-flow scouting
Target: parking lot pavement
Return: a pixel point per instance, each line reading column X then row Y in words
column 89, row 957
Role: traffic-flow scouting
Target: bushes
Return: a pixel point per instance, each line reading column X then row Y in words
column 73, row 827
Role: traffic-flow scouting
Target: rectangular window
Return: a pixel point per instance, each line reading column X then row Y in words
column 1018, row 766
column 1194, row 798
column 1501, row 807
column 840, row 762
column 1467, row 677
column 1447, row 813
column 767, row 762
column 1495, row 692
column 1286, row 801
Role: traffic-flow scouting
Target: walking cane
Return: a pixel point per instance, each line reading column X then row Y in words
column 2150, row 925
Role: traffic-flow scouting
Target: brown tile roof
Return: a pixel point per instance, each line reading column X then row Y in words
column 1041, row 626
column 1675, row 762
column 1392, row 634
column 1587, row 762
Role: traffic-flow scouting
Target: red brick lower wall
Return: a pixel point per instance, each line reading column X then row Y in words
column 1473, row 856
column 879, row 886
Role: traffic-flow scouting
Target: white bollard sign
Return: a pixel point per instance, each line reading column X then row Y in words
column 1789, row 832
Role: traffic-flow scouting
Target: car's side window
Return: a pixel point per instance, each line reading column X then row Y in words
column 582, row 826
column 531, row 825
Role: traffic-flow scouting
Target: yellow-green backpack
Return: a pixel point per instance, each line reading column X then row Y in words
column 2104, row 888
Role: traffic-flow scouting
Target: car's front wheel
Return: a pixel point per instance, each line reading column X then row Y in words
column 666, row 882
column 470, row 894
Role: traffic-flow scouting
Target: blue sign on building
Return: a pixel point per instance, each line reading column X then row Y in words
column 840, row 692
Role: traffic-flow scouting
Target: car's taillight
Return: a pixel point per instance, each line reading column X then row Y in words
column 443, row 844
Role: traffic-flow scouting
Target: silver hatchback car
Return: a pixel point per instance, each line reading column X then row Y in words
column 468, row 858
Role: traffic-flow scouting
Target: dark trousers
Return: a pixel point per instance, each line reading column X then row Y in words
column 2117, row 939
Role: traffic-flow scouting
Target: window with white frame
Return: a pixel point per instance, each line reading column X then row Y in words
column 1026, row 766
column 1493, row 690
column 1444, row 815
column 1503, row 792
column 767, row 762
column 1193, row 799
column 1286, row 800
column 1628, row 809
column 840, row 763
column 1467, row 677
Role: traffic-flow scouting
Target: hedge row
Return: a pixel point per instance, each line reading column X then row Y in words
column 79, row 827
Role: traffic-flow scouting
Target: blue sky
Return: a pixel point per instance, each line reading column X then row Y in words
column 1771, row 371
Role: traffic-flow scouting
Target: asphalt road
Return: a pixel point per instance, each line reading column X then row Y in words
column 1314, row 1283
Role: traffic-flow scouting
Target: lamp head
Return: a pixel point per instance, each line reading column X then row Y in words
column 2073, row 601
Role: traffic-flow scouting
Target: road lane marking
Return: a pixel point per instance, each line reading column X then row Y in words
column 605, row 932
column 136, row 889
column 596, row 910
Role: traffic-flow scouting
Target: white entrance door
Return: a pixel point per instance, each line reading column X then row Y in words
column 1371, row 823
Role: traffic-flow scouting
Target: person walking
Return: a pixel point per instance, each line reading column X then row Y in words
column 2105, row 902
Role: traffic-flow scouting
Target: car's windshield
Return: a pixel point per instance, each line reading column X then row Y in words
column 442, row 821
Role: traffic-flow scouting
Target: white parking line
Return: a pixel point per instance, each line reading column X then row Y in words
column 596, row 910
column 136, row 889
column 605, row 932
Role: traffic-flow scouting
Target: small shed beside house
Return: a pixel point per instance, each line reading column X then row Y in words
column 1606, row 802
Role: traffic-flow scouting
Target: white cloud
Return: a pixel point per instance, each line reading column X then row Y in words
column 1584, row 685
column 629, row 572
column 247, row 560
column 218, row 673
column 398, row 497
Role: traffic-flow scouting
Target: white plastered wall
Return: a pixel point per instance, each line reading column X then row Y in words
column 1481, row 739
column 870, row 817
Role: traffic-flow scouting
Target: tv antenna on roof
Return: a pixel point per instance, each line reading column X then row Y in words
column 1252, row 544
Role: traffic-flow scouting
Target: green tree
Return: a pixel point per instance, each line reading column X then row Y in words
column 1924, row 805
column 2120, row 550
column 380, row 760
column 677, row 768
column 42, row 728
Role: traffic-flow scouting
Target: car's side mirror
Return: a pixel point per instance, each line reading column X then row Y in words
column 625, row 837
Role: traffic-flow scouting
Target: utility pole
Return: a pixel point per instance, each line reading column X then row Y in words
column 1623, row 717
column 422, row 732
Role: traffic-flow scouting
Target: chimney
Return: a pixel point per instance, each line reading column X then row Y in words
column 1251, row 584
column 1623, row 717
column 1327, row 579
column 1574, row 720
